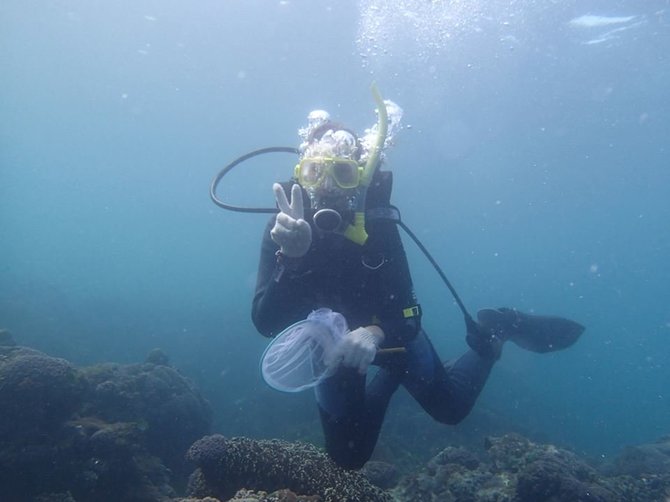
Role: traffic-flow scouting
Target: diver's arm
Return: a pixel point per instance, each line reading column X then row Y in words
column 276, row 304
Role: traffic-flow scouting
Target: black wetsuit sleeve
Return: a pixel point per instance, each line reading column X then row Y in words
column 400, row 315
column 276, row 303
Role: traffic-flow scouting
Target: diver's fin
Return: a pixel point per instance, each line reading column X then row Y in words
column 537, row 333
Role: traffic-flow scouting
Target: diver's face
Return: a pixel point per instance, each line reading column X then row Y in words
column 330, row 174
column 329, row 189
column 332, row 206
column 330, row 182
column 330, row 195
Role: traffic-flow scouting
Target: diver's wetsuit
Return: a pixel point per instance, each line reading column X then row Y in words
column 368, row 284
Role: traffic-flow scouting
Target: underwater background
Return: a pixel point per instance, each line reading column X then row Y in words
column 533, row 165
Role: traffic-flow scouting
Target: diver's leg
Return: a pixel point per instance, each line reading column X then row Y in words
column 447, row 392
column 352, row 415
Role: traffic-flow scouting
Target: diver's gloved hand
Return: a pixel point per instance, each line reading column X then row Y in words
column 291, row 232
column 356, row 349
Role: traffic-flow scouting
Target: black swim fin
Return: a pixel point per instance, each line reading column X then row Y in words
column 537, row 333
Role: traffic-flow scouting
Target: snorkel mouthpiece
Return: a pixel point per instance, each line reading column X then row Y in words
column 327, row 220
column 356, row 232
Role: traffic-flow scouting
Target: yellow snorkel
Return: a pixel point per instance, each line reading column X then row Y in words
column 356, row 232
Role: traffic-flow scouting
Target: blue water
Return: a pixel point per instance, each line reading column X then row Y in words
column 534, row 166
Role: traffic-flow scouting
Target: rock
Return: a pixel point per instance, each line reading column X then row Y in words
column 278, row 496
column 557, row 476
column 460, row 456
column 55, row 497
column 6, row 338
column 194, row 499
column 456, row 474
column 157, row 356
column 507, row 452
column 381, row 474
column 518, row 470
column 644, row 459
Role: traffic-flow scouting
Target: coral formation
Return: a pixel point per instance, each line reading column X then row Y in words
column 166, row 403
column 381, row 474
column 37, row 392
column 258, row 496
column 121, row 432
column 6, row 338
column 515, row 469
column 556, row 474
column 101, row 433
column 227, row 465
column 645, row 459
column 278, row 496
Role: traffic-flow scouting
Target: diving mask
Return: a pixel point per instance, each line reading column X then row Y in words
column 312, row 171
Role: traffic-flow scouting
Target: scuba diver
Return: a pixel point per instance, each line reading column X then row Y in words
column 335, row 243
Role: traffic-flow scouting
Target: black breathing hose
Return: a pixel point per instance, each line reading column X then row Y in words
column 471, row 325
column 469, row 321
column 239, row 160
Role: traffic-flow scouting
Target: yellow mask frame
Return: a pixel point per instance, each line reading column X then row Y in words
column 327, row 166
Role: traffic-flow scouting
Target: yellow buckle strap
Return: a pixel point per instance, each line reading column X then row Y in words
column 414, row 311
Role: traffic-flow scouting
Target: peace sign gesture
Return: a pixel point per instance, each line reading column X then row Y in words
column 291, row 232
column 293, row 209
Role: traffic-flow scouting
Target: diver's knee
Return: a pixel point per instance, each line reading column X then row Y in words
column 452, row 416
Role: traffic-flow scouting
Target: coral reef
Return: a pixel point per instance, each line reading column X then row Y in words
column 37, row 392
column 130, row 433
column 166, row 404
column 228, row 465
column 6, row 338
column 278, row 496
column 258, row 496
column 645, row 459
column 107, row 432
column 514, row 469
column 381, row 474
